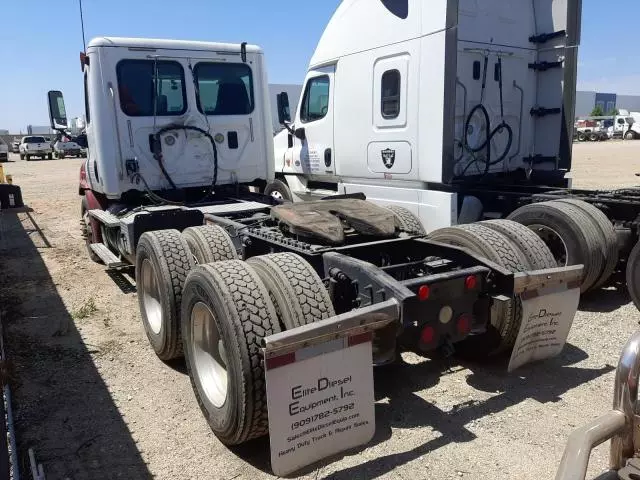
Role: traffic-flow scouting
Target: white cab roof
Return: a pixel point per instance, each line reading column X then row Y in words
column 166, row 44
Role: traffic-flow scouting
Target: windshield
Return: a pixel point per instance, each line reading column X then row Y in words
column 34, row 140
column 224, row 88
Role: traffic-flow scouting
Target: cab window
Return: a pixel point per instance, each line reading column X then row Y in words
column 315, row 103
column 140, row 82
column 224, row 88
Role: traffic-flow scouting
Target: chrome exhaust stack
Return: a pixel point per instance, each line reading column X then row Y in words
column 618, row 425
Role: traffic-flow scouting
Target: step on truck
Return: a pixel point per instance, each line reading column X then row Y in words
column 179, row 139
column 458, row 111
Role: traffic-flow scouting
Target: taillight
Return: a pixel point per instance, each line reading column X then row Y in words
column 427, row 335
column 463, row 324
column 423, row 292
column 471, row 282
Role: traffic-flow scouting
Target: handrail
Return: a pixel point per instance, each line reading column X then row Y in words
column 617, row 425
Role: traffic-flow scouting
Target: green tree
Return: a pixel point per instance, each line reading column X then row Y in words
column 614, row 112
column 597, row 111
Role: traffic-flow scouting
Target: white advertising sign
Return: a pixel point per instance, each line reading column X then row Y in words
column 320, row 403
column 546, row 321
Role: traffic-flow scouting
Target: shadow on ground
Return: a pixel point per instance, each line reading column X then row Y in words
column 604, row 300
column 63, row 408
column 400, row 407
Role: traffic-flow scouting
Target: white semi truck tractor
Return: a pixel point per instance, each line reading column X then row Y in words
column 179, row 137
column 458, row 111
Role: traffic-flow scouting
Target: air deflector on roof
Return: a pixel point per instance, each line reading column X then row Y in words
column 400, row 8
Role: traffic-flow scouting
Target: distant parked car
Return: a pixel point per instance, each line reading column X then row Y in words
column 64, row 148
column 4, row 151
column 33, row 146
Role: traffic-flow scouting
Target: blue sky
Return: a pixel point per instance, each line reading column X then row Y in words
column 42, row 53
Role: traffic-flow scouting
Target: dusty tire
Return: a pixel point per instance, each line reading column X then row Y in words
column 608, row 238
column 406, row 220
column 497, row 248
column 279, row 190
column 49, row 156
column 629, row 136
column 538, row 255
column 87, row 225
column 593, row 137
column 295, row 289
column 582, row 137
column 226, row 312
column 27, row 157
column 633, row 275
column 21, row 156
column 163, row 261
column 569, row 233
column 210, row 243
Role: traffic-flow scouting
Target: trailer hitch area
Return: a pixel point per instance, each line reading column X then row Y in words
column 621, row 425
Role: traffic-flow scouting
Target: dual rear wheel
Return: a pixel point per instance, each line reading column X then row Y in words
column 198, row 300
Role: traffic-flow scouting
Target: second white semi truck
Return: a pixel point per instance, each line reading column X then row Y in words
column 458, row 111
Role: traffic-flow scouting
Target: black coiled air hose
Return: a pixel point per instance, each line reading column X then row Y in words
column 157, row 150
column 487, row 141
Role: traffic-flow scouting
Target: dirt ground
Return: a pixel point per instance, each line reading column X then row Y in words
column 94, row 402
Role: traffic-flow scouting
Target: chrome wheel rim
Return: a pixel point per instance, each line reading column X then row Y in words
column 151, row 296
column 209, row 356
column 554, row 241
column 276, row 194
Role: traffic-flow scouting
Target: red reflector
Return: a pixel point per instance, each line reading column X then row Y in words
column 423, row 292
column 464, row 324
column 470, row 282
column 427, row 335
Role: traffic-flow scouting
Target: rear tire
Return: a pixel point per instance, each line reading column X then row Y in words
column 593, row 137
column 27, row 157
column 295, row 289
column 21, row 156
column 630, row 136
column 569, row 233
column 49, row 156
column 608, row 238
column 537, row 253
column 582, row 137
column 279, row 190
column 210, row 243
column 163, row 261
column 226, row 313
column 406, row 220
column 496, row 248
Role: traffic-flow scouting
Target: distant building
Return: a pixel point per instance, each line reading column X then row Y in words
column 4, row 132
column 587, row 101
column 39, row 130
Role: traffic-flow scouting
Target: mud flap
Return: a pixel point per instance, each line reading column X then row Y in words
column 320, row 386
column 549, row 304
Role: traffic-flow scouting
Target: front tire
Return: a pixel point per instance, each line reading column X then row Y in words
column 630, row 136
column 27, row 157
column 86, row 224
column 279, row 190
column 163, row 261
column 226, row 312
column 49, row 156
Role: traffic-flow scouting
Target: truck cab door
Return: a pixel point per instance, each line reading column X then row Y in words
column 313, row 153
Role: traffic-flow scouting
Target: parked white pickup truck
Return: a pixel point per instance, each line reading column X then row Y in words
column 35, row 147
column 63, row 149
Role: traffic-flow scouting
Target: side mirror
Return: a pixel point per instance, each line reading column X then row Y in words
column 284, row 113
column 300, row 133
column 57, row 112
